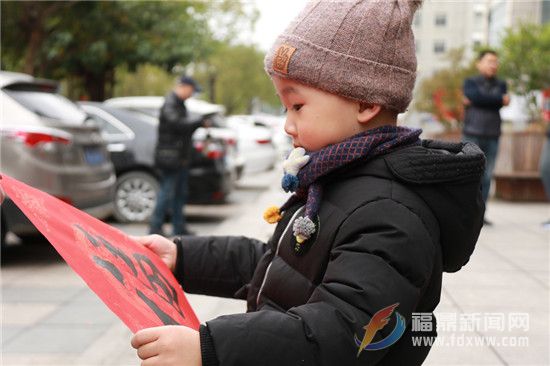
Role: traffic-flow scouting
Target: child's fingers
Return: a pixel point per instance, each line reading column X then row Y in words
column 152, row 361
column 146, row 241
column 144, row 336
column 148, row 350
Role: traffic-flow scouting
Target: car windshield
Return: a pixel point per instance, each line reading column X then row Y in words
column 152, row 112
column 49, row 105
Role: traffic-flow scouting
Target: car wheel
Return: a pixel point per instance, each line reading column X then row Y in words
column 135, row 197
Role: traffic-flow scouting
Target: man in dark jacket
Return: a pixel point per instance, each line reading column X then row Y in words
column 376, row 216
column 484, row 95
column 172, row 155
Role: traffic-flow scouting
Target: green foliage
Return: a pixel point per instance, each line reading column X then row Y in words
column 447, row 83
column 147, row 79
column 234, row 76
column 525, row 60
column 230, row 18
column 84, row 42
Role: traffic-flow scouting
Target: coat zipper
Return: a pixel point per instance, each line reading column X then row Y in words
column 276, row 253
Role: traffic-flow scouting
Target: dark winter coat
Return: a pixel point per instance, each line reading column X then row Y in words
column 388, row 229
column 482, row 116
column 175, row 133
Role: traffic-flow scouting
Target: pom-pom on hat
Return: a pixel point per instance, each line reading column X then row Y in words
column 359, row 49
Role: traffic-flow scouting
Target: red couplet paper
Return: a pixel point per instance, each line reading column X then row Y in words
column 130, row 279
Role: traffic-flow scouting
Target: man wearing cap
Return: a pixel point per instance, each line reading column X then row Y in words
column 172, row 156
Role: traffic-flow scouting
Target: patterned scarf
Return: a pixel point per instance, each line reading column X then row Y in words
column 302, row 172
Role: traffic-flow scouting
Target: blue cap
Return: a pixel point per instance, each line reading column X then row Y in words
column 188, row 80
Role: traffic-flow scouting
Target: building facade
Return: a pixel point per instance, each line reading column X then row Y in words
column 440, row 26
column 504, row 14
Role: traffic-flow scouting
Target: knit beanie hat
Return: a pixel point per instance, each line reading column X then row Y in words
column 359, row 49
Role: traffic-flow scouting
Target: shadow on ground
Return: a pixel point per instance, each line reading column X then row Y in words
column 32, row 250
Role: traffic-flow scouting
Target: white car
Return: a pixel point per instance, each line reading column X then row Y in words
column 282, row 141
column 255, row 142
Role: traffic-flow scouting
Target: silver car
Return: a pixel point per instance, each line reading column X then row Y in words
column 47, row 141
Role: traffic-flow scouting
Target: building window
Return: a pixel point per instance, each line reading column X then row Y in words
column 478, row 17
column 441, row 20
column 545, row 11
column 418, row 19
column 439, row 46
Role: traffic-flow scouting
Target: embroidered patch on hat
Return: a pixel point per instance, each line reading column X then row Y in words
column 282, row 58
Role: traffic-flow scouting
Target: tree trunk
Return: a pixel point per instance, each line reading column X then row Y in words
column 95, row 86
column 36, row 15
column 109, row 83
column 35, row 40
column 212, row 87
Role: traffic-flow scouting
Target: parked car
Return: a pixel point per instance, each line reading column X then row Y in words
column 282, row 141
column 46, row 141
column 255, row 142
column 132, row 138
column 150, row 105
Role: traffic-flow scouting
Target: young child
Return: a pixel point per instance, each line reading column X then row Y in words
column 377, row 214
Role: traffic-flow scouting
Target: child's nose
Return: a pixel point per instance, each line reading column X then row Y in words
column 290, row 127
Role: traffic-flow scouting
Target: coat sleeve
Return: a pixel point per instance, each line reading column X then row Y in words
column 504, row 87
column 216, row 265
column 172, row 115
column 480, row 98
column 383, row 255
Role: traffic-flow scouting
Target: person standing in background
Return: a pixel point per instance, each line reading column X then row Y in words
column 172, row 156
column 484, row 95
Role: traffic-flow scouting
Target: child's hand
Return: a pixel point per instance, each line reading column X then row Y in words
column 164, row 248
column 167, row 346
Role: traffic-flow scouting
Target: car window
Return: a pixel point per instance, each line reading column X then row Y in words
column 105, row 126
column 112, row 129
column 152, row 112
column 50, row 105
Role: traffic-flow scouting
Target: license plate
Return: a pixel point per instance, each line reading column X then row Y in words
column 94, row 156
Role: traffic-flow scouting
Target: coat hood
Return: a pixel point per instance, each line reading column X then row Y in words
column 447, row 176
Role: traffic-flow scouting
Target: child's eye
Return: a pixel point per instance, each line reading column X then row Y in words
column 295, row 107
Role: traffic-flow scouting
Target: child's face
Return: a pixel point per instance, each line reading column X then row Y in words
column 315, row 118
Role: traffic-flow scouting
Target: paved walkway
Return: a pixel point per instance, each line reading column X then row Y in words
column 500, row 298
column 504, row 289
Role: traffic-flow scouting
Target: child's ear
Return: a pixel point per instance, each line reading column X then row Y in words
column 367, row 112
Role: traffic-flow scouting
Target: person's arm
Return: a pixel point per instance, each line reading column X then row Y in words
column 217, row 265
column 505, row 96
column 171, row 114
column 376, row 263
column 210, row 265
column 480, row 99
